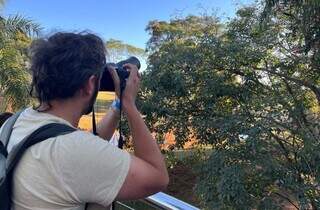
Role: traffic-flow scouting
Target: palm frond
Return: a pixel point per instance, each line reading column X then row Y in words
column 18, row 23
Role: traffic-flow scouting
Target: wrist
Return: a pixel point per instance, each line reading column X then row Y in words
column 116, row 112
column 129, row 107
column 115, row 108
column 116, row 105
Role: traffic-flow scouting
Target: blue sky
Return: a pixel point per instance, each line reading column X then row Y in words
column 125, row 20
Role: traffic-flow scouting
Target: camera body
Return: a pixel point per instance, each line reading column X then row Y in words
column 106, row 82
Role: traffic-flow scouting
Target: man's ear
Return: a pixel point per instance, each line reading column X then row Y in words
column 89, row 87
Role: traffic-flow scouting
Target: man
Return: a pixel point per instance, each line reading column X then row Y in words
column 71, row 170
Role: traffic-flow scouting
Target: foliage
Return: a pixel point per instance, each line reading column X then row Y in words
column 251, row 90
column 171, row 159
column 118, row 50
column 14, row 77
column 15, row 37
column 303, row 18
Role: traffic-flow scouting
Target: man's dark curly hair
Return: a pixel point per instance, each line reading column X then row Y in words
column 62, row 63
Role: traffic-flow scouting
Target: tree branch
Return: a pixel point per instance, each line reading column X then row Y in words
column 288, row 199
column 312, row 87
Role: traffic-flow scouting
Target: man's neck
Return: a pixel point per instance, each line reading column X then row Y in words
column 63, row 109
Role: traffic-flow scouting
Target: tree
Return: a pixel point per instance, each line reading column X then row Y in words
column 303, row 19
column 118, row 50
column 303, row 25
column 15, row 36
column 250, row 90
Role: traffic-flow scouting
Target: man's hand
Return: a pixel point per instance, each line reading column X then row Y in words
column 116, row 80
column 132, row 87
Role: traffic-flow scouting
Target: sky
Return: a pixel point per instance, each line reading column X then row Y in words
column 124, row 20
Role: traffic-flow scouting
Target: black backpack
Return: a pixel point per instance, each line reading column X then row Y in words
column 9, row 160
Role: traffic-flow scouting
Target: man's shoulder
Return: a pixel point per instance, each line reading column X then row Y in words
column 83, row 141
column 82, row 136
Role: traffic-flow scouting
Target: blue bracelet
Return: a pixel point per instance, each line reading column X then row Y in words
column 116, row 104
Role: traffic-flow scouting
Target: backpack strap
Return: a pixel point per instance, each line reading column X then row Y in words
column 7, row 128
column 39, row 135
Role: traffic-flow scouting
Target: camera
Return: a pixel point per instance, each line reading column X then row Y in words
column 106, row 83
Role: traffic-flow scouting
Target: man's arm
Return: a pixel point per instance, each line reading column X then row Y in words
column 108, row 124
column 147, row 173
column 110, row 121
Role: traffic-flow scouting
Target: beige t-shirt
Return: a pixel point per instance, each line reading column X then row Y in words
column 67, row 171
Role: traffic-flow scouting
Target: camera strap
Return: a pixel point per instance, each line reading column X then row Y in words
column 122, row 87
column 94, row 126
